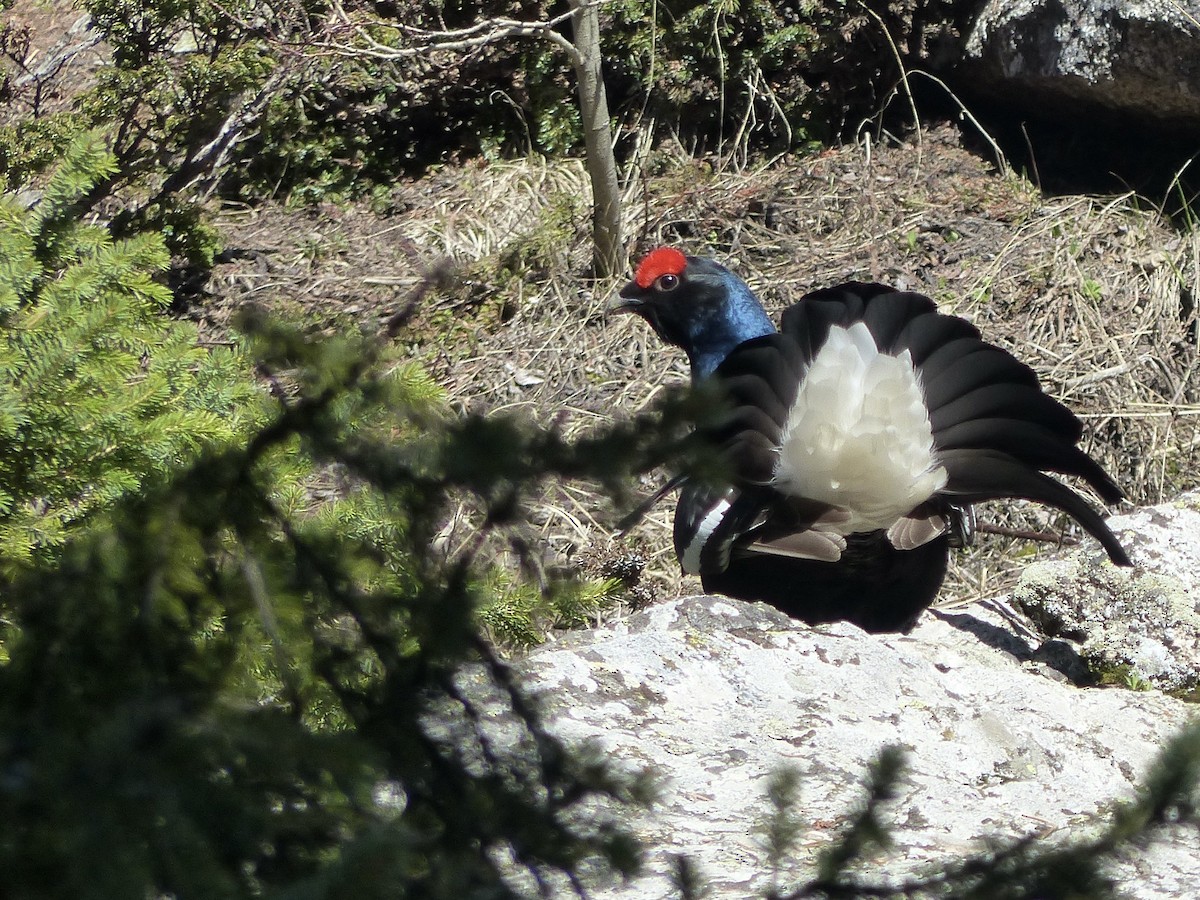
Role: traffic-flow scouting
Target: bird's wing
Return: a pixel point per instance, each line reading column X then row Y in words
column 711, row 523
column 708, row 521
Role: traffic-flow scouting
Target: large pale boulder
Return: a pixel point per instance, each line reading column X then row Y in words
column 1001, row 742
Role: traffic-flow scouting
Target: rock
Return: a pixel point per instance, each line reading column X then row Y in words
column 715, row 695
column 1140, row 626
column 1140, row 59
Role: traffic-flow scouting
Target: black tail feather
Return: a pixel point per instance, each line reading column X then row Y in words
column 1032, row 444
column 759, row 380
column 947, row 380
column 977, row 475
column 887, row 321
column 759, row 394
column 776, row 362
column 927, row 334
column 1008, row 401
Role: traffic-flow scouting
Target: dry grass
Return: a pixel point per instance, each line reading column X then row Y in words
column 1094, row 293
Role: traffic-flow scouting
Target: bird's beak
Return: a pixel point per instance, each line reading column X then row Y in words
column 628, row 299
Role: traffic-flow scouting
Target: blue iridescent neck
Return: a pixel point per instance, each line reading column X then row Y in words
column 738, row 319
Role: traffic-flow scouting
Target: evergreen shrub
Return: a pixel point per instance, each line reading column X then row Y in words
column 98, row 388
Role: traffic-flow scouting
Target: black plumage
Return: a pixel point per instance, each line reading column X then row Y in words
column 988, row 431
column 873, row 585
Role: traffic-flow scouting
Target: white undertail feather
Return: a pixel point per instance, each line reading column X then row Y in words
column 858, row 435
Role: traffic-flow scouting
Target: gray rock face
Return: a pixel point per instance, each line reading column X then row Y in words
column 1138, row 58
column 1140, row 626
column 716, row 694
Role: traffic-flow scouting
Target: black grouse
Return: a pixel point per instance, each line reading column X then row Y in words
column 857, row 436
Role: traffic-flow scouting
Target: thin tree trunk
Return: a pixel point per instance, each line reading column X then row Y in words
column 609, row 250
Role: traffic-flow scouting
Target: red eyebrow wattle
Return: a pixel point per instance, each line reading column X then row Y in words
column 663, row 261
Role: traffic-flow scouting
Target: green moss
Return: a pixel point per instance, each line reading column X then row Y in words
column 1117, row 675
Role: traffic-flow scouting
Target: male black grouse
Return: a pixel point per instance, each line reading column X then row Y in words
column 857, row 437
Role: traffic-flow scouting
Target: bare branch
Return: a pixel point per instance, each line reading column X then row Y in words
column 211, row 157
column 424, row 41
column 61, row 55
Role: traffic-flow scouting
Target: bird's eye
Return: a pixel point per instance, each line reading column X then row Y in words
column 666, row 282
